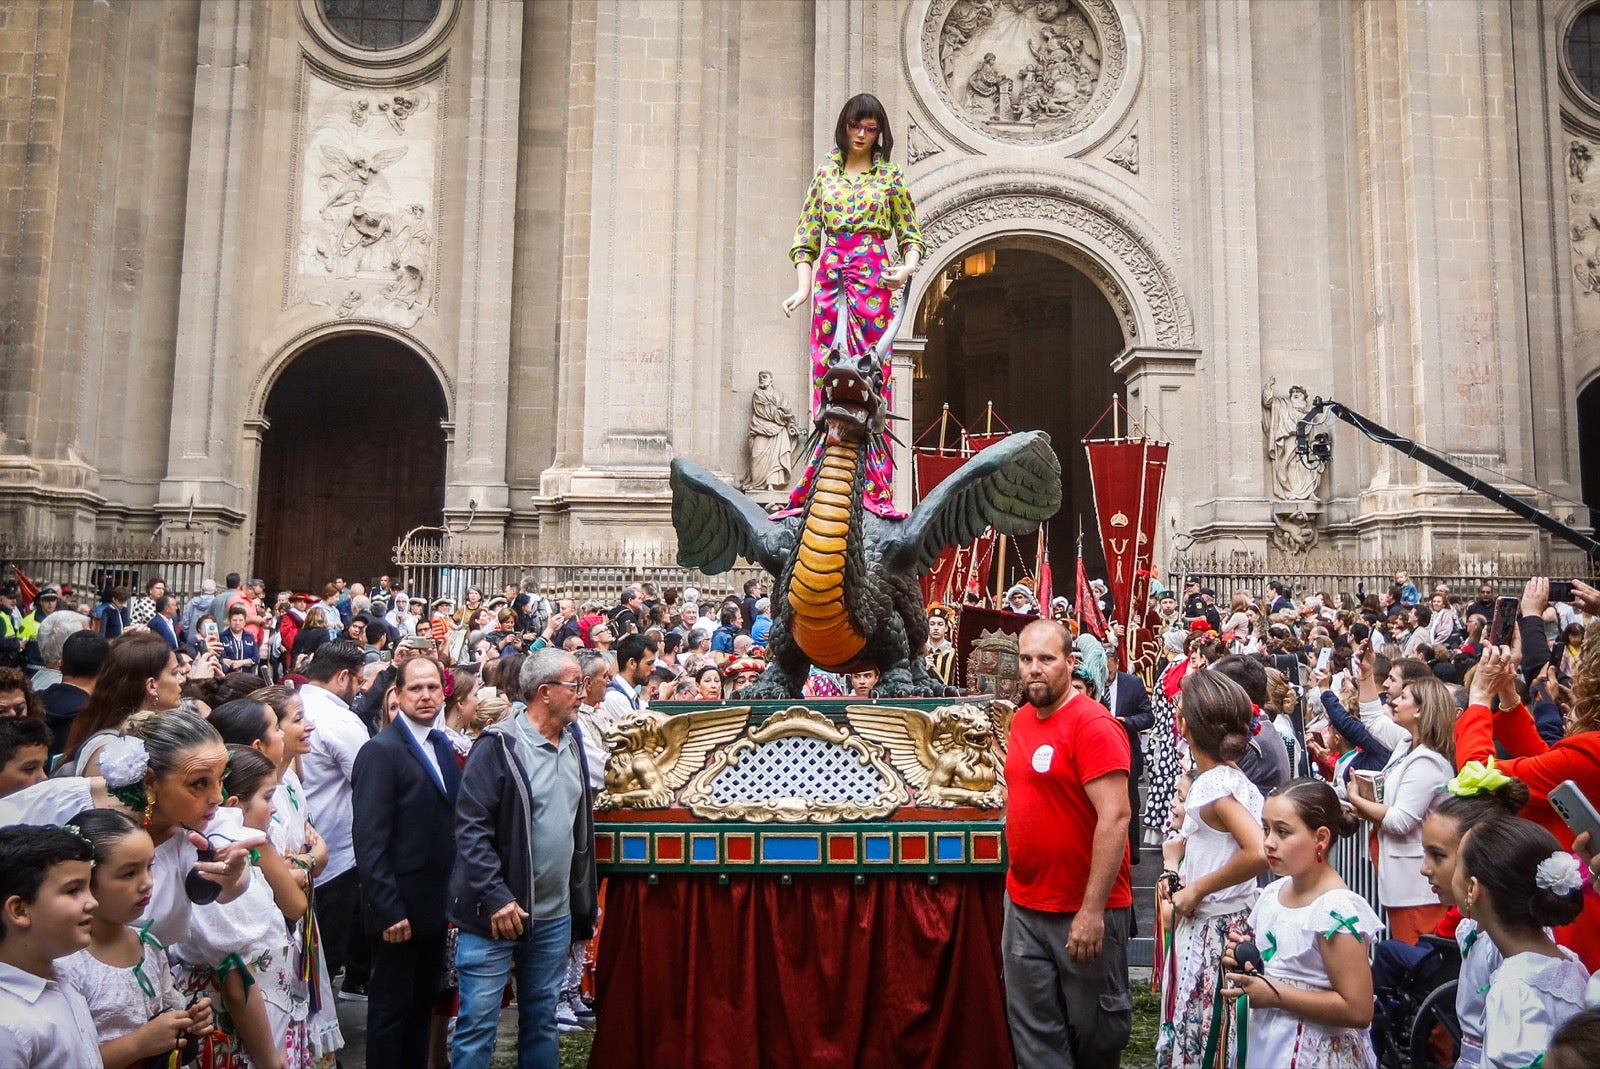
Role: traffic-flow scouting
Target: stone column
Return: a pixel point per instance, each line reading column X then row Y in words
column 903, row 359
column 475, row 482
column 201, row 481
column 1162, row 384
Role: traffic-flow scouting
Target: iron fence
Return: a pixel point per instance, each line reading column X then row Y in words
column 441, row 566
column 1347, row 578
column 90, row 566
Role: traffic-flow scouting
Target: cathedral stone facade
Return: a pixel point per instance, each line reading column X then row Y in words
column 306, row 274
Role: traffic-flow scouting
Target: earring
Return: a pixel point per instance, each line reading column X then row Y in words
column 1319, row 855
column 149, row 809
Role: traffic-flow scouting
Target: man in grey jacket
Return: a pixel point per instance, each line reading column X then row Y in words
column 524, row 883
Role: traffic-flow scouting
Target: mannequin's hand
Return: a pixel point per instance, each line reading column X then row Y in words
column 795, row 300
column 896, row 277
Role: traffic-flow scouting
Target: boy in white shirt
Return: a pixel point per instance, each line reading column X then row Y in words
column 45, row 909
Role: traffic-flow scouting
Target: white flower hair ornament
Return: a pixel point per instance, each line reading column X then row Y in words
column 1560, row 873
column 123, row 761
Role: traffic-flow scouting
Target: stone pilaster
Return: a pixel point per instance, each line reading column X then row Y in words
column 476, row 475
column 202, row 450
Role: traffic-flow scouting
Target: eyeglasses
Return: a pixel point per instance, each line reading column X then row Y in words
column 864, row 127
column 574, row 684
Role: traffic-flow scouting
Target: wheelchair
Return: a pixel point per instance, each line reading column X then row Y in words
column 1414, row 1024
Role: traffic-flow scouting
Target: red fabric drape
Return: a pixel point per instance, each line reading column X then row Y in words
column 819, row 974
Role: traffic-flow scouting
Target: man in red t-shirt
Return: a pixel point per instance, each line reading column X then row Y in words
column 1068, row 898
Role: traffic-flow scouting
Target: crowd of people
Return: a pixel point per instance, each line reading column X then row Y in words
column 210, row 835
column 1462, row 739
column 270, row 794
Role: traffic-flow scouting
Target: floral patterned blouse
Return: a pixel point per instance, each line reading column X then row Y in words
column 875, row 202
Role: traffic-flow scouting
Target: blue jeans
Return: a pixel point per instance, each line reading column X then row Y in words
column 483, row 965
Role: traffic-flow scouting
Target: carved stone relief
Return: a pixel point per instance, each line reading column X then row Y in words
column 368, row 161
column 1126, row 154
column 1024, row 70
column 1096, row 220
column 919, row 145
column 1583, row 214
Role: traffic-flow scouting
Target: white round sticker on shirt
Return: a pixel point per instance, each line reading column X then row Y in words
column 1041, row 758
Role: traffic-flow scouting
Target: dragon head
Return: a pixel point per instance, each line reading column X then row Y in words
column 852, row 395
column 963, row 725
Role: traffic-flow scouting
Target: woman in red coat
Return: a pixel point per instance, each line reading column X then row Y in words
column 1540, row 765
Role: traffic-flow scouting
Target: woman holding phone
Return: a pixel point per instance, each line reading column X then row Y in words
column 1543, row 766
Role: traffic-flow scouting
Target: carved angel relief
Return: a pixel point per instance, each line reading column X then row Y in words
column 367, row 183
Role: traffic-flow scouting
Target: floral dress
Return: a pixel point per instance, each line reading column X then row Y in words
column 844, row 229
column 1166, row 757
column 288, row 833
column 1290, row 940
column 247, row 934
column 1190, row 1004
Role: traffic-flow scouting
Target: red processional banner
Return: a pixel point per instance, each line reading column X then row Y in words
column 1127, row 476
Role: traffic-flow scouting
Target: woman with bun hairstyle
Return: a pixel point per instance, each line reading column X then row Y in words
column 1478, row 793
column 1412, row 778
column 857, row 204
column 1513, row 878
column 1542, row 766
column 1310, row 1006
column 1221, row 834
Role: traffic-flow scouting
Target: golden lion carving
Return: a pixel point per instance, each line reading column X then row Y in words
column 950, row 755
column 652, row 754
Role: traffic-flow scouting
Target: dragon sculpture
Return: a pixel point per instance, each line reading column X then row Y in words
column 846, row 596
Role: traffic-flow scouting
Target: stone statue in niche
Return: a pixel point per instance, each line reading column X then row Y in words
column 1281, row 412
column 774, row 437
column 1021, row 68
column 366, row 241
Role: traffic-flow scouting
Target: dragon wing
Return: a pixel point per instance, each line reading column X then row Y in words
column 906, row 734
column 1012, row 486
column 690, row 737
column 716, row 523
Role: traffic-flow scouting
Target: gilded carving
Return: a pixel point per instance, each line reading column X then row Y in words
column 759, row 777
column 1169, row 309
column 1025, row 70
column 653, row 754
column 368, row 168
column 949, row 754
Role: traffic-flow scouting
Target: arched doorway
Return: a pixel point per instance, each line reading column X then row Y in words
column 1589, row 449
column 353, row 457
column 1011, row 323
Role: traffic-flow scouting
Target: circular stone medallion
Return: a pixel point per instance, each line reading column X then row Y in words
column 1031, row 71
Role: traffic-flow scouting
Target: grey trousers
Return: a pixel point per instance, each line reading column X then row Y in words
column 1063, row 1015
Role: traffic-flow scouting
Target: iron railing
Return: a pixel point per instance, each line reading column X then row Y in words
column 90, row 566
column 1341, row 576
column 441, row 566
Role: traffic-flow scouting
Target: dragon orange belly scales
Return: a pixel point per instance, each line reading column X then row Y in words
column 821, row 625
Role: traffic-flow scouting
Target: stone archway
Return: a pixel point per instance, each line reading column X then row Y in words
column 1015, row 324
column 352, row 457
column 1142, row 322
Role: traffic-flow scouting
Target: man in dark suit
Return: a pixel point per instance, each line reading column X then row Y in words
column 1129, row 702
column 405, row 784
